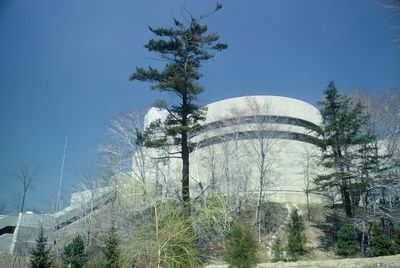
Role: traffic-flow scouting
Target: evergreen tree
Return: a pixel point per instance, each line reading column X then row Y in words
column 380, row 243
column 74, row 254
column 397, row 239
column 240, row 247
column 40, row 255
column 184, row 48
column 278, row 253
column 342, row 135
column 347, row 244
column 112, row 251
column 296, row 239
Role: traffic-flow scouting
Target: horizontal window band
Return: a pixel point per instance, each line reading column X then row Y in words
column 258, row 119
column 254, row 135
column 7, row 230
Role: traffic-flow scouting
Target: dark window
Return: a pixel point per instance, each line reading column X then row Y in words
column 7, row 230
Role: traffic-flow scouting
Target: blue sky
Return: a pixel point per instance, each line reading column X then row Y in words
column 64, row 67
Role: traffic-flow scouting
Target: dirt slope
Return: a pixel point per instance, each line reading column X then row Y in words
column 388, row 261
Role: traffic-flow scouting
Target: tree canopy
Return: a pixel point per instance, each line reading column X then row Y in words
column 183, row 47
column 343, row 134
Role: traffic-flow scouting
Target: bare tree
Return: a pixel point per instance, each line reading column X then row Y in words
column 394, row 8
column 26, row 175
column 248, row 142
column 3, row 206
column 221, row 160
column 384, row 124
column 210, row 161
column 123, row 145
column 387, row 122
column 195, row 175
column 239, row 171
column 126, row 158
column 309, row 172
column 380, row 177
column 262, row 146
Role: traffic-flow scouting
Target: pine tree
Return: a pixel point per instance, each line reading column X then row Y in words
column 112, row 251
column 347, row 244
column 40, row 255
column 397, row 239
column 184, row 48
column 240, row 247
column 278, row 253
column 380, row 243
column 342, row 134
column 296, row 239
column 74, row 253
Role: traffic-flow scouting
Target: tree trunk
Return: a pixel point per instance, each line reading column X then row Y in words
column 308, row 205
column 260, row 195
column 157, row 237
column 185, row 173
column 346, row 199
column 185, row 156
column 237, row 176
column 364, row 233
column 347, row 204
column 23, row 201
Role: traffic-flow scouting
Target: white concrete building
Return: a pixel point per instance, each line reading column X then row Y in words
column 244, row 135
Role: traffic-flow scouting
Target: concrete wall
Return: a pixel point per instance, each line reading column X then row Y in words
column 227, row 151
column 27, row 230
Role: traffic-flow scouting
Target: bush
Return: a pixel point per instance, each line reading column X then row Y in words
column 240, row 246
column 380, row 243
column 278, row 252
column 40, row 255
column 74, row 254
column 164, row 237
column 209, row 225
column 347, row 244
column 296, row 239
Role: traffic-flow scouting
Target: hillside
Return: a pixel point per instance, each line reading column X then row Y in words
column 387, row 261
column 321, row 235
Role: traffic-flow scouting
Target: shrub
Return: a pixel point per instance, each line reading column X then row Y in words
column 209, row 226
column 296, row 239
column 40, row 255
column 74, row 254
column 163, row 237
column 278, row 252
column 347, row 244
column 380, row 243
column 240, row 246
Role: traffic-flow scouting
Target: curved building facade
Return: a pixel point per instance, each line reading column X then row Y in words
column 286, row 117
column 259, row 141
column 251, row 142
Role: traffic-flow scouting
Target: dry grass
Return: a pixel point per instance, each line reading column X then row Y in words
column 321, row 234
column 387, row 261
